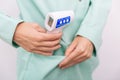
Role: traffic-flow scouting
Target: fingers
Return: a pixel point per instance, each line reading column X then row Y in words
column 75, row 56
column 70, row 61
column 44, row 47
column 69, row 65
column 43, row 50
column 78, row 51
column 33, row 38
column 48, row 43
column 85, row 55
column 71, row 48
column 70, row 53
column 73, row 63
column 46, row 36
column 48, row 49
column 50, row 36
column 78, row 59
column 68, row 58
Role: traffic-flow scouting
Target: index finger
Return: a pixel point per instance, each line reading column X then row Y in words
column 68, row 58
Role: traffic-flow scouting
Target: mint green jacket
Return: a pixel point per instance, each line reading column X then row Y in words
column 90, row 17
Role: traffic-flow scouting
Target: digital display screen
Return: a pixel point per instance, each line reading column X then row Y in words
column 50, row 22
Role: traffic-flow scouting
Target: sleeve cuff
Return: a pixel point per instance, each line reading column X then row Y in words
column 7, row 29
column 96, row 42
column 13, row 43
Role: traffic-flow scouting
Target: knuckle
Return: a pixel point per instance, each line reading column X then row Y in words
column 82, row 50
column 77, row 51
column 70, row 58
column 31, row 48
column 38, row 38
column 35, row 44
column 50, row 44
column 86, row 55
column 45, row 37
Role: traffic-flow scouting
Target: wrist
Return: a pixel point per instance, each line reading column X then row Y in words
column 15, row 33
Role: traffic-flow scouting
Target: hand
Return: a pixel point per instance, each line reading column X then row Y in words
column 80, row 50
column 34, row 38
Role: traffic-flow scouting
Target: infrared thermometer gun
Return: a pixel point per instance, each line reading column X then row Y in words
column 56, row 21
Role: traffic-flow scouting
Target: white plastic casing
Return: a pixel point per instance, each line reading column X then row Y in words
column 55, row 21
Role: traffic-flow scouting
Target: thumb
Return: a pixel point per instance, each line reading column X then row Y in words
column 39, row 28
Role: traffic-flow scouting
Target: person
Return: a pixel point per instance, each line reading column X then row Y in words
column 75, row 49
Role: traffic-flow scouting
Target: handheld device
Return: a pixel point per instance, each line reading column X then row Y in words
column 56, row 21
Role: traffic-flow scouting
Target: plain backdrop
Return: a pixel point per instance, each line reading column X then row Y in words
column 109, row 53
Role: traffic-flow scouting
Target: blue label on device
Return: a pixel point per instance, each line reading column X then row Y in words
column 62, row 21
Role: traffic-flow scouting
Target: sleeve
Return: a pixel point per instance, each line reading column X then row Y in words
column 94, row 21
column 7, row 28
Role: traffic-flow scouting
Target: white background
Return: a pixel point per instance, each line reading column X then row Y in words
column 109, row 53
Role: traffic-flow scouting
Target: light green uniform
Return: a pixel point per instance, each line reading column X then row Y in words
column 90, row 17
